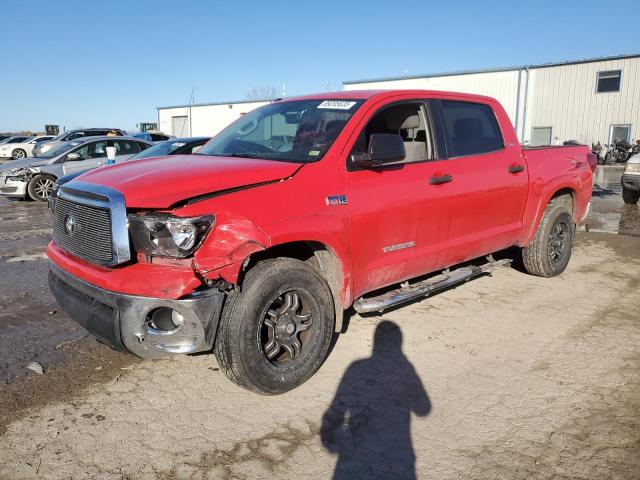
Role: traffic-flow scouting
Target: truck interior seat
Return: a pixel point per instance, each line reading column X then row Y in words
column 406, row 121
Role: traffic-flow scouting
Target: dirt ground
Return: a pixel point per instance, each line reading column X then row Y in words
column 508, row 376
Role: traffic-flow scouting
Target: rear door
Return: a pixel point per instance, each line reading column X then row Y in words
column 489, row 178
column 399, row 221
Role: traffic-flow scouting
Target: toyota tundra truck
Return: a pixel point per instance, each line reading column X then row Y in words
column 254, row 247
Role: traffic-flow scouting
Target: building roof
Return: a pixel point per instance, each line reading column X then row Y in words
column 238, row 102
column 492, row 70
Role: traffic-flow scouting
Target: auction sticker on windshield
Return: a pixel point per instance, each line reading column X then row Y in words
column 337, row 104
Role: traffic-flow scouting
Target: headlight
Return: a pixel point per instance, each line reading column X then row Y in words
column 164, row 235
column 632, row 168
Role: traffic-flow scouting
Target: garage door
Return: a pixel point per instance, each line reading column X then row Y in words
column 180, row 126
column 541, row 136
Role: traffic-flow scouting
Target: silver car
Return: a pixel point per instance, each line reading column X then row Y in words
column 77, row 134
column 34, row 177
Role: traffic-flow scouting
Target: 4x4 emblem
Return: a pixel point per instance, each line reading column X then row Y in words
column 336, row 200
column 70, row 224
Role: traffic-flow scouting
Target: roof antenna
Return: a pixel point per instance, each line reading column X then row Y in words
column 193, row 89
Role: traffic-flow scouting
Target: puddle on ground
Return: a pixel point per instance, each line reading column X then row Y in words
column 609, row 213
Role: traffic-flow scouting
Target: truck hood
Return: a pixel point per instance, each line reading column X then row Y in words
column 162, row 182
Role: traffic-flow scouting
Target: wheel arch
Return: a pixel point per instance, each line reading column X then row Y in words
column 318, row 254
column 560, row 194
column 566, row 197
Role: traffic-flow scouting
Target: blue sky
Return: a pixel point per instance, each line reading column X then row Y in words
column 85, row 63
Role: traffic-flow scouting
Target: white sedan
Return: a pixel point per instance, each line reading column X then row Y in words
column 22, row 149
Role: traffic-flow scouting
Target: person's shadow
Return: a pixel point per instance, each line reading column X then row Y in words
column 369, row 421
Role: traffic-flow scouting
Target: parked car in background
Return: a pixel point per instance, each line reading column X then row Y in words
column 175, row 146
column 253, row 247
column 22, row 149
column 152, row 136
column 34, row 177
column 14, row 139
column 74, row 135
column 631, row 180
column 178, row 146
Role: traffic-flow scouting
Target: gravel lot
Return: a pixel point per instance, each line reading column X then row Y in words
column 508, row 376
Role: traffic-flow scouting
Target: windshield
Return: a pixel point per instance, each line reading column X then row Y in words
column 171, row 147
column 59, row 150
column 297, row 131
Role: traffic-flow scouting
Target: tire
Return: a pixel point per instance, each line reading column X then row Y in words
column 630, row 196
column 256, row 322
column 18, row 153
column 40, row 186
column 550, row 250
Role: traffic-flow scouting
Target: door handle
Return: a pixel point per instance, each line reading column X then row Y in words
column 516, row 168
column 440, row 179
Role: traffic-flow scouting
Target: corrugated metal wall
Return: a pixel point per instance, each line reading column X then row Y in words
column 565, row 98
column 562, row 97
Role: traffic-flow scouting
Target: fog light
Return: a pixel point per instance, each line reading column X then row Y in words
column 165, row 319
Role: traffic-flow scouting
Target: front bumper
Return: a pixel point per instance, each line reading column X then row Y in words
column 122, row 321
column 631, row 181
column 13, row 188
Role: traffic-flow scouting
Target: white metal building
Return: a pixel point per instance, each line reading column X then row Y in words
column 587, row 100
column 204, row 119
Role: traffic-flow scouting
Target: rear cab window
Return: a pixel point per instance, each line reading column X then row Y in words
column 470, row 128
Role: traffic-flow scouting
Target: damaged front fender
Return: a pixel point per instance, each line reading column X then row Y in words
column 24, row 174
column 232, row 240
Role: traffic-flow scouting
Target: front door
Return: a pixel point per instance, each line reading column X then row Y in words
column 399, row 220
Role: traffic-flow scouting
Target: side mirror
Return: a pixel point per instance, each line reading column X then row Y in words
column 383, row 148
column 71, row 157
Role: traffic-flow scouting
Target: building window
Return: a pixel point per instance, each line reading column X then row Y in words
column 620, row 133
column 540, row 136
column 609, row 81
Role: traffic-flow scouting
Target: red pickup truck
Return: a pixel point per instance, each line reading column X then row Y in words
column 254, row 247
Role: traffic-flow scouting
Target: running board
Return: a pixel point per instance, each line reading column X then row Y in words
column 407, row 293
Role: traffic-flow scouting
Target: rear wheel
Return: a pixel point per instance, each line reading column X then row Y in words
column 18, row 153
column 630, row 196
column 40, row 187
column 550, row 250
column 275, row 332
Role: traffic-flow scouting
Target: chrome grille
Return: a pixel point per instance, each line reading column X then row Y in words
column 83, row 230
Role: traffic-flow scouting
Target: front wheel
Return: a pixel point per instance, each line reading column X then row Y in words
column 550, row 250
column 18, row 153
column 275, row 332
column 630, row 196
column 40, row 187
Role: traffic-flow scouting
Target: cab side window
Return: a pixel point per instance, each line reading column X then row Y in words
column 126, row 147
column 83, row 153
column 409, row 121
column 471, row 128
column 75, row 135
